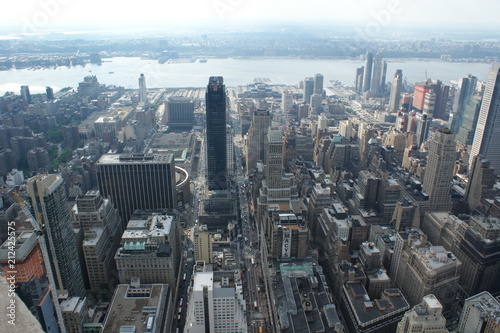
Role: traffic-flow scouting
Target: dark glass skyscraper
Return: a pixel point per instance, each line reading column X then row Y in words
column 216, row 134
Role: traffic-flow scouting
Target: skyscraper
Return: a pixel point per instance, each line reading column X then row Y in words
column 439, row 170
column 216, row 134
column 481, row 313
column 137, row 181
column 367, row 77
column 308, row 89
column 481, row 182
column 48, row 198
column 256, row 137
column 487, row 134
column 467, row 88
column 359, row 79
column 378, row 67
column 318, row 84
column 25, row 94
column 395, row 97
column 179, row 113
column 143, row 93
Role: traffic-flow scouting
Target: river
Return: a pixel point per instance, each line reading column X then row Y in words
column 125, row 72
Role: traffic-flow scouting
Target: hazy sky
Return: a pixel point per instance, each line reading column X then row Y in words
column 31, row 15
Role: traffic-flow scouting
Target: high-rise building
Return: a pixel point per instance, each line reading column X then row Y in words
column 25, row 94
column 216, row 304
column 137, row 181
column 179, row 113
column 255, row 138
column 481, row 182
column 367, row 76
column 102, row 233
column 143, row 92
column 150, row 250
column 216, row 155
column 439, row 170
column 419, row 269
column 49, row 200
column 49, row 92
column 287, row 101
column 425, row 317
column 466, row 89
column 467, row 129
column 441, row 98
column 378, row 67
column 481, row 313
column 359, row 79
column 203, row 245
column 395, row 97
column 308, row 89
column 318, row 84
column 487, row 135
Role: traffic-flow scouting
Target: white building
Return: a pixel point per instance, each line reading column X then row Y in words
column 218, row 296
column 425, row 317
column 481, row 313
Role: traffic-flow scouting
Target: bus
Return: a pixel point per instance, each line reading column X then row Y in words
column 255, row 305
column 252, row 260
column 261, row 329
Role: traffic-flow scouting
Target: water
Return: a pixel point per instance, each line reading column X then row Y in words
column 125, row 72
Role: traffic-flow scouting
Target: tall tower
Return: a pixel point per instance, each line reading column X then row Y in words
column 215, row 97
column 143, row 93
column 359, row 79
column 481, row 313
column 138, row 181
column 48, row 198
column 256, row 137
column 318, row 84
column 308, row 89
column 439, row 170
column 378, row 67
column 487, row 134
column 481, row 181
column 467, row 89
column 395, row 98
column 25, row 94
column 367, row 77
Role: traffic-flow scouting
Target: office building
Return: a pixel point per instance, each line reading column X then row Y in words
column 216, row 155
column 150, row 250
column 378, row 67
column 396, row 87
column 49, row 200
column 143, row 92
column 441, row 92
column 364, row 315
column 367, row 76
column 302, row 299
column 179, row 113
column 467, row 88
column 255, row 138
column 419, row 269
column 49, row 92
column 481, row 182
column 138, row 307
column 25, row 94
column 425, row 317
column 318, row 84
column 89, row 88
column 481, row 313
column 216, row 304
column 137, row 181
column 475, row 243
column 487, row 133
column 320, row 198
column 289, row 236
column 308, row 89
column 439, row 170
column 75, row 311
column 287, row 102
column 359, row 79
column 203, row 249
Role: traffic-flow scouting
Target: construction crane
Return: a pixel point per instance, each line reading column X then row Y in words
column 39, row 231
